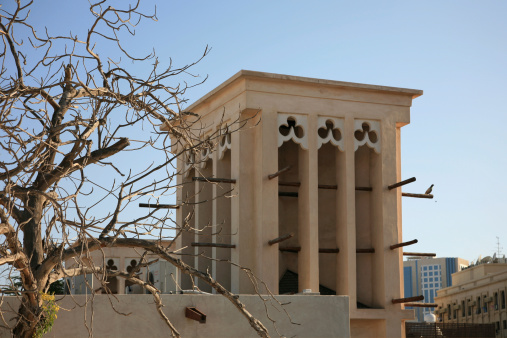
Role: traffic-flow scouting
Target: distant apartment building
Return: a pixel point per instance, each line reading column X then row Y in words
column 477, row 295
column 424, row 276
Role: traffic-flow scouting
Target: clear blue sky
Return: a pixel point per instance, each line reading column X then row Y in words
column 456, row 51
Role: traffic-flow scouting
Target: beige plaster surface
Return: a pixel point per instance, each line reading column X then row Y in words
column 318, row 316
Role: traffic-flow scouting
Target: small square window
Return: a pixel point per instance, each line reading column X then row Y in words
column 431, row 273
column 431, row 285
column 425, row 268
column 431, row 279
column 425, row 286
column 426, row 280
column 430, row 268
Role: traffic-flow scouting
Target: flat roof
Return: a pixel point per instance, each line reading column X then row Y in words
column 250, row 73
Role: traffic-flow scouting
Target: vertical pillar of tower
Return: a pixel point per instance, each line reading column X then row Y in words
column 203, row 220
column 246, row 235
column 391, row 234
column 197, row 188
column 179, row 211
column 215, row 220
column 222, row 212
column 398, row 207
column 308, row 199
column 346, row 233
column 346, row 216
column 267, row 220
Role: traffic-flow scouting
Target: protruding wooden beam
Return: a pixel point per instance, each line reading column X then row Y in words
column 289, row 184
column 281, row 238
column 407, row 299
column 321, row 186
column 158, row 206
column 287, row 194
column 419, row 254
column 290, row 249
column 214, row 180
column 399, row 245
column 193, row 313
column 279, row 172
column 370, row 250
column 399, row 184
column 328, row 186
column 421, row 304
column 214, row 245
column 329, row 250
column 407, row 194
column 296, row 249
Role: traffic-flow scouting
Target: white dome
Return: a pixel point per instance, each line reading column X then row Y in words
column 430, row 318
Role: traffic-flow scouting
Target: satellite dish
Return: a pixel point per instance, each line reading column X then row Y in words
column 486, row 260
column 430, row 318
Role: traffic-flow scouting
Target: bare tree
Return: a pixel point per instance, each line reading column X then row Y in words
column 71, row 117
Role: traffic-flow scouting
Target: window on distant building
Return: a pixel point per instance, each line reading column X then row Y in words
column 502, row 297
column 454, row 312
column 449, row 311
column 430, row 267
column 462, row 308
column 505, row 324
column 478, row 305
column 469, row 308
column 485, row 305
column 497, row 326
column 425, row 268
column 495, row 300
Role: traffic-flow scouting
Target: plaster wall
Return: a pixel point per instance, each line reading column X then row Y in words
column 318, row 316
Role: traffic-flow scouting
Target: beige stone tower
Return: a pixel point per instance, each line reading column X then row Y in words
column 338, row 147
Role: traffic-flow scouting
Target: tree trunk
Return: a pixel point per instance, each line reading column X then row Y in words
column 32, row 237
column 27, row 320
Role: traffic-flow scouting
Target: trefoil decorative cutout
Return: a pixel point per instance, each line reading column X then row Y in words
column 367, row 132
column 223, row 145
column 188, row 162
column 205, row 156
column 330, row 129
column 293, row 127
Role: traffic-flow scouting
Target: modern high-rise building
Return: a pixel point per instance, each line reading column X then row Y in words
column 424, row 276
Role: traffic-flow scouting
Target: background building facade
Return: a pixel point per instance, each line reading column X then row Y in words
column 477, row 295
column 424, row 276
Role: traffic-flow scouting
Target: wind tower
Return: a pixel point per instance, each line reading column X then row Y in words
column 306, row 194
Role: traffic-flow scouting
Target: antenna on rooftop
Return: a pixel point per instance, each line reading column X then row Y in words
column 498, row 247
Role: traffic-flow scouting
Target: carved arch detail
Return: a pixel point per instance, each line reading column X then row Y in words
column 188, row 162
column 293, row 127
column 367, row 132
column 223, row 145
column 330, row 129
